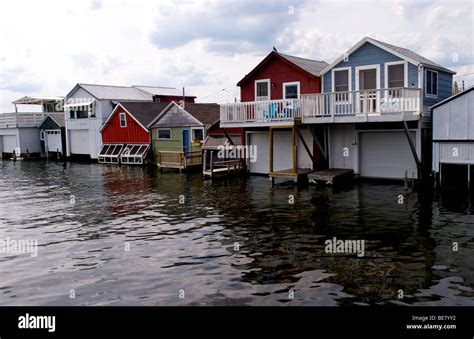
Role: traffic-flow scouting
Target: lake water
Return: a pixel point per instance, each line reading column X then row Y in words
column 135, row 236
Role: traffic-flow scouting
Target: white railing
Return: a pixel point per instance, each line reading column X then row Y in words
column 262, row 111
column 21, row 119
column 398, row 101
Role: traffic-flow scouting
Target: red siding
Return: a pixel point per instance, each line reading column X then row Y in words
column 133, row 133
column 279, row 71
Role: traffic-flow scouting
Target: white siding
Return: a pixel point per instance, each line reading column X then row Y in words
column 456, row 152
column 386, row 155
column 455, row 119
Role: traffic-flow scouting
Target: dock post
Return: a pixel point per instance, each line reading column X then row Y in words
column 57, row 154
column 204, row 161
column 27, row 154
column 406, row 181
column 212, row 163
column 468, row 177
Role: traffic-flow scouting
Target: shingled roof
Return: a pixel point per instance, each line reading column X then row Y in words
column 191, row 115
column 205, row 113
column 308, row 66
column 144, row 111
column 412, row 55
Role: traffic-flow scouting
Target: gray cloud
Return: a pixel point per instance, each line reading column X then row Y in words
column 226, row 26
column 18, row 79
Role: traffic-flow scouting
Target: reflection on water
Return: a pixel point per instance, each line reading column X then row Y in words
column 137, row 237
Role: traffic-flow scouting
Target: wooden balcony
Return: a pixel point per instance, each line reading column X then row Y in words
column 179, row 160
column 394, row 104
column 21, row 119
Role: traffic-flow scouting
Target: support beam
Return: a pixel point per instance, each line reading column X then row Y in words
column 412, row 146
column 294, row 152
column 316, row 139
column 228, row 137
column 271, row 149
column 304, row 143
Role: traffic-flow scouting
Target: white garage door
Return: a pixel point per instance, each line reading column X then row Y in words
column 54, row 141
column 282, row 155
column 386, row 155
column 260, row 140
column 9, row 143
column 79, row 141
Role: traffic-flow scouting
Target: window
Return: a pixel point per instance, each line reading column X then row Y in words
column 42, row 135
column 431, row 83
column 291, row 90
column 123, row 120
column 83, row 114
column 164, row 133
column 396, row 76
column 109, row 154
column 134, row 154
column 262, row 89
column 71, row 114
column 198, row 134
column 341, row 80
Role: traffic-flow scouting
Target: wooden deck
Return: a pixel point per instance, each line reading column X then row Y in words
column 331, row 176
column 222, row 168
column 301, row 173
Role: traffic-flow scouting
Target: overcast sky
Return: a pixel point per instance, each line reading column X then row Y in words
column 48, row 46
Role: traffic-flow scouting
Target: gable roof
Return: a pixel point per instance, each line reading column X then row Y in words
column 142, row 111
column 452, row 97
column 125, row 93
column 191, row 115
column 206, row 113
column 308, row 66
column 57, row 119
column 403, row 53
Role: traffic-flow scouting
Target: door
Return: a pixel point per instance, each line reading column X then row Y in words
column 368, row 90
column 186, row 140
column 79, row 141
column 53, row 140
column 259, row 142
column 9, row 143
column 386, row 155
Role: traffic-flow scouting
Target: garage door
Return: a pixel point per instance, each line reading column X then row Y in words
column 9, row 143
column 54, row 141
column 386, row 155
column 262, row 164
column 79, row 141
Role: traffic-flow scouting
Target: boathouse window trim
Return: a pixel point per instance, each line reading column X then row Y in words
column 431, row 83
column 341, row 87
column 42, row 135
column 193, row 133
column 291, row 84
column 395, row 83
column 123, row 119
column 260, row 89
column 164, row 134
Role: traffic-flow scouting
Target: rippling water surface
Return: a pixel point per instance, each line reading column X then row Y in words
column 130, row 239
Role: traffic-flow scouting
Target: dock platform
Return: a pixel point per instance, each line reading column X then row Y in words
column 331, row 176
column 289, row 174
